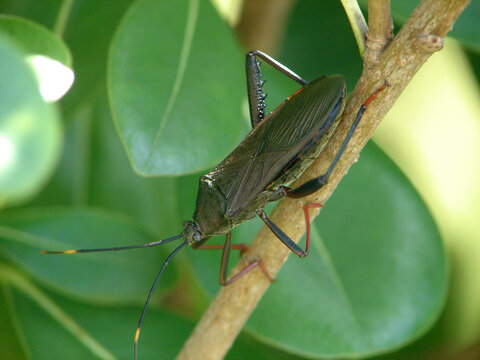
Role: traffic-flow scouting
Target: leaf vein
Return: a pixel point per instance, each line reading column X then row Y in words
column 327, row 259
column 192, row 17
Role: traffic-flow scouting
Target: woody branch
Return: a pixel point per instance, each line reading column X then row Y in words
column 392, row 61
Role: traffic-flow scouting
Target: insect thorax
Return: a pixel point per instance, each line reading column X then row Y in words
column 210, row 213
column 210, row 209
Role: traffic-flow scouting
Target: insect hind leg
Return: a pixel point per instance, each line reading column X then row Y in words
column 277, row 65
column 284, row 238
column 256, row 95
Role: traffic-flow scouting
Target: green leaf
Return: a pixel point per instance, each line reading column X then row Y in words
column 52, row 326
column 246, row 346
column 111, row 327
column 176, row 83
column 89, row 28
column 309, row 48
column 29, row 130
column 120, row 277
column 10, row 344
column 35, row 39
column 45, row 51
column 94, row 171
column 45, row 13
column 375, row 278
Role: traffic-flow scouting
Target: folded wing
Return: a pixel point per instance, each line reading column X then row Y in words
column 273, row 143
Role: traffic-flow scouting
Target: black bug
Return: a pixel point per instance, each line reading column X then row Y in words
column 277, row 150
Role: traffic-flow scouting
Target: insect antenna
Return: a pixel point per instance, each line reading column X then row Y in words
column 140, row 322
column 155, row 243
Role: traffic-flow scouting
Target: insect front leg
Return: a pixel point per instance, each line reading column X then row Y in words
column 256, row 95
column 315, row 184
column 224, row 280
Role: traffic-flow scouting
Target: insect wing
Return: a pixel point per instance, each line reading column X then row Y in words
column 272, row 144
column 304, row 114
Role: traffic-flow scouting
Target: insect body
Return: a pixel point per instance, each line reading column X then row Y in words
column 277, row 150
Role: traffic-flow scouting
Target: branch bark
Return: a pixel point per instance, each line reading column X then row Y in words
column 421, row 35
column 380, row 30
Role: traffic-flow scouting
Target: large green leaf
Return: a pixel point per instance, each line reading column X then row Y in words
column 87, row 27
column 111, row 328
column 50, row 327
column 121, row 277
column 45, row 52
column 375, row 277
column 29, row 129
column 46, row 13
column 88, row 32
column 34, row 39
column 94, row 171
column 176, row 84
column 10, row 343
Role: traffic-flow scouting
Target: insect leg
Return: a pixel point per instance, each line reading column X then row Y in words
column 280, row 67
column 284, row 237
column 224, row 264
column 315, row 184
column 307, row 220
column 256, row 95
column 150, row 293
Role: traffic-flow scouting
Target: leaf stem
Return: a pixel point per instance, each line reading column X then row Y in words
column 62, row 17
column 357, row 22
column 190, row 24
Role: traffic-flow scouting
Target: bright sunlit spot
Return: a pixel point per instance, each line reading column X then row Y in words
column 55, row 79
column 433, row 133
column 435, row 123
column 229, row 9
column 7, row 152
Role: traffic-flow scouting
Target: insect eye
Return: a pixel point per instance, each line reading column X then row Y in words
column 197, row 237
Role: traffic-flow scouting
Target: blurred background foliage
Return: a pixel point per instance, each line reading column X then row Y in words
column 159, row 99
